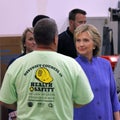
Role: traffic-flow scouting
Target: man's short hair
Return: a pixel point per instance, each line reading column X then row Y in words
column 45, row 31
column 73, row 13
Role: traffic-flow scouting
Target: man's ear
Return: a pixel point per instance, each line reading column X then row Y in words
column 56, row 40
column 55, row 43
column 71, row 22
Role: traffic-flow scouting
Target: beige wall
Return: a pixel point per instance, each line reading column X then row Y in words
column 15, row 16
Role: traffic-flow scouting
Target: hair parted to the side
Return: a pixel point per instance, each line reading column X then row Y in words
column 45, row 31
column 73, row 13
column 93, row 32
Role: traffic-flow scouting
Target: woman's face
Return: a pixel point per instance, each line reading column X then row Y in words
column 29, row 42
column 84, row 45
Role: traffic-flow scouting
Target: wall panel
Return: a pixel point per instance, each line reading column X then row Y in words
column 10, row 47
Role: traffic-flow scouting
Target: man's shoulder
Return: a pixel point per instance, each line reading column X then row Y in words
column 62, row 34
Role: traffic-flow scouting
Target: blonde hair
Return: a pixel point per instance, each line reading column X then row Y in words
column 23, row 38
column 93, row 32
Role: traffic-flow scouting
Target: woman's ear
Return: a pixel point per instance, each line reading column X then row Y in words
column 94, row 46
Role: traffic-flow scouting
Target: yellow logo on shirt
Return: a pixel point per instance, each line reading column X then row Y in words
column 43, row 75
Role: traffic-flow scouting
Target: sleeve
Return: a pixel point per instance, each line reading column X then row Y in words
column 82, row 90
column 7, row 91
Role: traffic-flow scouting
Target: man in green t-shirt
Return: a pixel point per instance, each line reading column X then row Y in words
column 45, row 85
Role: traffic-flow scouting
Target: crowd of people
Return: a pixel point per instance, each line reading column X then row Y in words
column 61, row 76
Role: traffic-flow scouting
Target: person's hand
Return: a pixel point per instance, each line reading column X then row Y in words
column 14, row 118
column 13, row 115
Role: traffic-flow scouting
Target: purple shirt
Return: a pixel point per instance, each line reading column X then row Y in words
column 105, row 102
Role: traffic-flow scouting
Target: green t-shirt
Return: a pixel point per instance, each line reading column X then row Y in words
column 45, row 85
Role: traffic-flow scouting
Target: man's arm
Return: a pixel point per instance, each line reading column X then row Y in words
column 116, row 115
column 77, row 105
column 10, row 106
